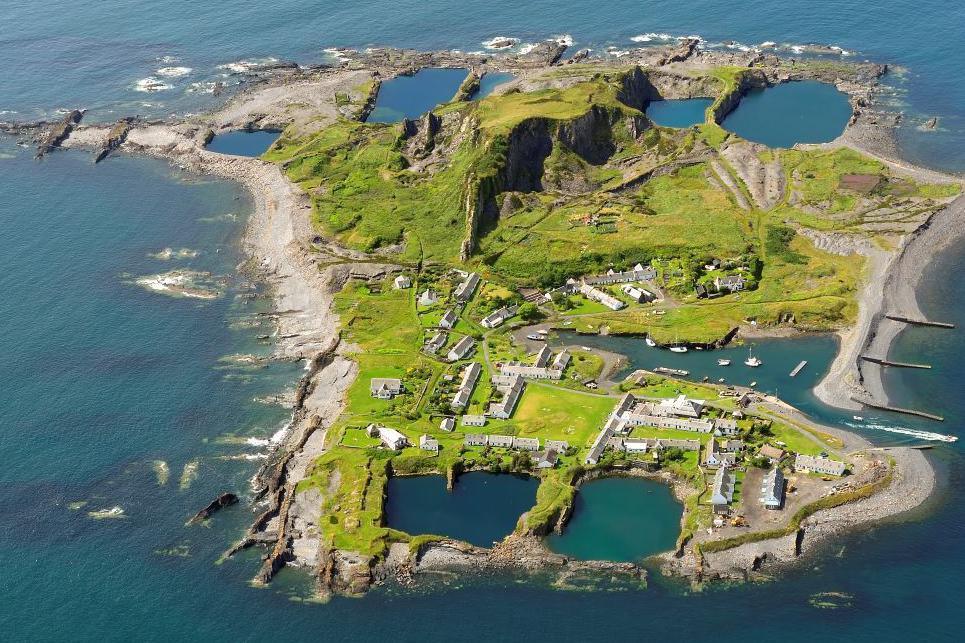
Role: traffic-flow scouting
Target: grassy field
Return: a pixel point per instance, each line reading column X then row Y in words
column 555, row 413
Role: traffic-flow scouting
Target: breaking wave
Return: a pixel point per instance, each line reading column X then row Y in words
column 500, row 42
column 174, row 72
column 151, row 85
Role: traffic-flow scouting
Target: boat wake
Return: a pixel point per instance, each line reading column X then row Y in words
column 921, row 435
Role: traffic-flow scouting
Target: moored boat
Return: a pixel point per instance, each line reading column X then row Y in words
column 751, row 360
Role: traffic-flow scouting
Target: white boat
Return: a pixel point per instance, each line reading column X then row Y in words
column 723, row 362
column 536, row 337
column 678, row 349
column 751, row 360
column 754, row 383
column 650, row 342
column 858, row 418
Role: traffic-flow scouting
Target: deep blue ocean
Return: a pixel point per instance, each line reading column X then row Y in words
column 102, row 380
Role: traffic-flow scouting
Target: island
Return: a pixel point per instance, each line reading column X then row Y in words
column 436, row 272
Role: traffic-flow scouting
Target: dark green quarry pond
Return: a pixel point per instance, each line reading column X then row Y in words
column 790, row 113
column 620, row 519
column 412, row 96
column 242, row 143
column 678, row 113
column 481, row 508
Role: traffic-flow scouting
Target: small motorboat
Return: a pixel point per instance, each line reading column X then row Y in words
column 723, row 362
column 858, row 418
column 754, row 383
column 678, row 349
column 650, row 342
column 536, row 337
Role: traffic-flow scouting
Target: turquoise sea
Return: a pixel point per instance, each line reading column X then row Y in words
column 100, row 377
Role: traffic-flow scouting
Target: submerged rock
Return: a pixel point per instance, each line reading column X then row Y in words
column 219, row 503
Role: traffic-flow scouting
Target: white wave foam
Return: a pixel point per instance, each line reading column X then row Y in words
column 244, row 66
column 650, row 37
column 258, row 442
column 168, row 60
column 500, row 42
column 341, row 55
column 768, row 44
column 738, row 46
column 563, row 39
column 617, row 53
column 526, row 48
column 150, row 85
column 202, row 87
column 174, row 72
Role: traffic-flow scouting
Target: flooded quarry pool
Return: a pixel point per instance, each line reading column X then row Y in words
column 489, row 82
column 481, row 509
column 678, row 113
column 620, row 519
column 412, row 96
column 797, row 112
column 243, row 143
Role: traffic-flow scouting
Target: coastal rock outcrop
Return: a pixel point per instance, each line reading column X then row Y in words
column 59, row 132
column 219, row 503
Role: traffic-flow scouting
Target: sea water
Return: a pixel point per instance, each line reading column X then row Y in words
column 101, row 378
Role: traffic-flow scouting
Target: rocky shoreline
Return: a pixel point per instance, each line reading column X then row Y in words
column 304, row 272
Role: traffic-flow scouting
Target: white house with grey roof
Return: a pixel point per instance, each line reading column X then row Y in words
column 402, row 282
column 595, row 294
column 448, row 319
column 461, row 349
column 638, row 273
column 818, row 464
column 511, row 394
column 448, row 424
column 547, row 459
column 428, row 298
column 391, row 438
column 385, row 388
column 465, row 290
column 435, row 344
column 474, row 420
column 733, row 283
column 526, row 444
column 772, row 489
column 722, row 492
column 497, row 318
column 470, row 376
column 428, row 443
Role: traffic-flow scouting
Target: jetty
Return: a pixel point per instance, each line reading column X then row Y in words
column 888, row 362
column 664, row 370
column 799, row 367
column 919, row 322
column 896, row 409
